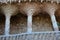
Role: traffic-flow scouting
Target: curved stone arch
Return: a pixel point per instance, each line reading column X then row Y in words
column 8, row 10
column 30, row 9
column 50, row 9
column 57, row 14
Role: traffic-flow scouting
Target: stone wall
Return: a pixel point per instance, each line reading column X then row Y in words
column 41, row 22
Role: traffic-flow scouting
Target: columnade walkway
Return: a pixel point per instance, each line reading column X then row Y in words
column 30, row 8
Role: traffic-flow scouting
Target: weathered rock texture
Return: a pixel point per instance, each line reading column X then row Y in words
column 41, row 22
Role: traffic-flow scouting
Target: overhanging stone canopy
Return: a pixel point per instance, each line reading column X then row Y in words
column 29, row 8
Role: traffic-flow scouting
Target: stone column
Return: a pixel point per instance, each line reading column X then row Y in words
column 54, row 22
column 29, row 24
column 7, row 25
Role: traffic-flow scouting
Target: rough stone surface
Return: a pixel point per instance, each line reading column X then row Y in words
column 41, row 22
column 33, row 36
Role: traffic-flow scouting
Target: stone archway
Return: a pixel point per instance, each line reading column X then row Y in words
column 42, row 22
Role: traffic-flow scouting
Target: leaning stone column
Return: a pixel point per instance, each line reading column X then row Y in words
column 50, row 8
column 54, row 22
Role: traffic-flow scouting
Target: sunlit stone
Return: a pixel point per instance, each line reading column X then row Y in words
column 29, row 24
column 51, row 1
column 19, row 1
column 41, row 0
column 54, row 22
column 29, row 0
column 57, row 2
